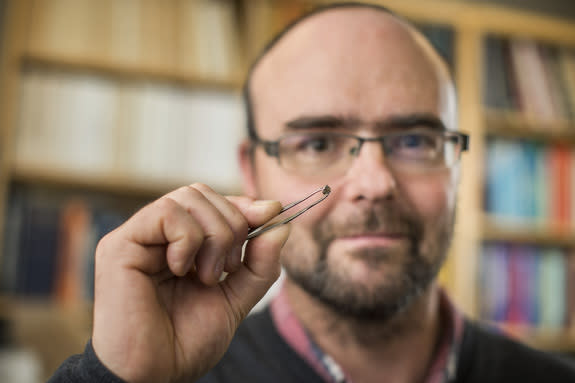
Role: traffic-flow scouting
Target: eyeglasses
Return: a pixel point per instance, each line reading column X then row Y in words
column 332, row 153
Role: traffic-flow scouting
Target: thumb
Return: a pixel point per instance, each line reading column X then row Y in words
column 260, row 269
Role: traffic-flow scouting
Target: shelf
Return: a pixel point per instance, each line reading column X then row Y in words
column 542, row 237
column 557, row 341
column 511, row 124
column 119, row 184
column 114, row 184
column 554, row 340
column 53, row 332
column 126, row 72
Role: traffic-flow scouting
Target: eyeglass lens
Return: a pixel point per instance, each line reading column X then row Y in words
column 317, row 152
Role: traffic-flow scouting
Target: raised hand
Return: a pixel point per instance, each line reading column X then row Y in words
column 161, row 313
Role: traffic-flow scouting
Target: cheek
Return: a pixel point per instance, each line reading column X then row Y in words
column 432, row 197
column 275, row 184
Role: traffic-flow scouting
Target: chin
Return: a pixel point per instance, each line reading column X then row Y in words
column 365, row 286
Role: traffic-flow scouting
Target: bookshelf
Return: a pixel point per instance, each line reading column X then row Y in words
column 163, row 62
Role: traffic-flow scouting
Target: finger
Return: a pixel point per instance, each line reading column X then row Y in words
column 161, row 224
column 218, row 234
column 256, row 212
column 235, row 219
column 260, row 269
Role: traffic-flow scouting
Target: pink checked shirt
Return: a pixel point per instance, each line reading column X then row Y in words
column 443, row 366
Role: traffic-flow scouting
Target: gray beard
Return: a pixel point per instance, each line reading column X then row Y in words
column 385, row 300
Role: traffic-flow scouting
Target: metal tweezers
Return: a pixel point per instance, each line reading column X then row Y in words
column 270, row 224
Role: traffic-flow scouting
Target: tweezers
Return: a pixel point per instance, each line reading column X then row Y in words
column 271, row 225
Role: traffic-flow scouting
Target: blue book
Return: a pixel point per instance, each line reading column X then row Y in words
column 38, row 249
column 103, row 222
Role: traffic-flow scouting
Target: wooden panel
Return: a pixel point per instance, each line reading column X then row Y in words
column 466, row 243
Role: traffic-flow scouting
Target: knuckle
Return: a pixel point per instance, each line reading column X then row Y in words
column 239, row 223
column 196, row 235
column 166, row 204
column 201, row 187
column 108, row 247
column 226, row 237
column 103, row 246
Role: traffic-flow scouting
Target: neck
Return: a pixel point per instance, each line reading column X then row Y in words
column 370, row 351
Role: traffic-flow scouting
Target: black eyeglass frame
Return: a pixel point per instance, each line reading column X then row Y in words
column 271, row 148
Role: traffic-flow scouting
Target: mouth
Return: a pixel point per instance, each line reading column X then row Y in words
column 373, row 239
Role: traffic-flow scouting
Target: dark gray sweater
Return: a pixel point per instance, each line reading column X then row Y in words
column 259, row 354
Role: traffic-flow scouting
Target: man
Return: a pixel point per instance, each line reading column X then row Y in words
column 353, row 97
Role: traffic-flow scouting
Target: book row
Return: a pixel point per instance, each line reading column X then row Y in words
column 527, row 287
column 195, row 38
column 50, row 240
column 537, row 80
column 95, row 125
column 530, row 185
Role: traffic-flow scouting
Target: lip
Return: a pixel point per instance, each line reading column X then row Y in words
column 373, row 240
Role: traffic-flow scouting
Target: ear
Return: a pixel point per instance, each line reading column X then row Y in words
column 247, row 169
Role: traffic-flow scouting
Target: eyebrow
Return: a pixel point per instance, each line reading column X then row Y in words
column 396, row 121
column 323, row 121
column 412, row 120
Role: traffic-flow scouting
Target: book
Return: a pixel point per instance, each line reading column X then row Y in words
column 552, row 289
column 53, row 241
column 542, row 192
column 558, row 91
column 37, row 248
column 530, row 77
column 74, row 227
column 441, row 38
column 560, row 193
column 566, row 58
column 215, row 119
column 495, row 92
column 63, row 28
column 494, row 282
column 159, row 35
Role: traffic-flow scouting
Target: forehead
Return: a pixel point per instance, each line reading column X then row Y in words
column 359, row 63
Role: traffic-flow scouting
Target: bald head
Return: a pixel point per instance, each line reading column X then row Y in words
column 352, row 60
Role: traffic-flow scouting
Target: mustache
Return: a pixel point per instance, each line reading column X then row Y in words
column 379, row 219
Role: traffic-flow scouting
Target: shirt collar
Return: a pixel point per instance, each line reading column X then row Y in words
column 442, row 368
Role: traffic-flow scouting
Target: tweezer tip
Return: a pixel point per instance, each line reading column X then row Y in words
column 326, row 190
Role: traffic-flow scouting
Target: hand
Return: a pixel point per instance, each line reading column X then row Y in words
column 161, row 313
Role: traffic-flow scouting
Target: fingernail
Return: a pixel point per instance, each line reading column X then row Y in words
column 219, row 268
column 263, row 202
column 264, row 206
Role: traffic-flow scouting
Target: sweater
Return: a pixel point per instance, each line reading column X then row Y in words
column 259, row 354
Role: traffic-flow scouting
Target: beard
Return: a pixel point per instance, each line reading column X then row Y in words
column 415, row 266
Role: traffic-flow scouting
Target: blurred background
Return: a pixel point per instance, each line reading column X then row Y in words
column 107, row 104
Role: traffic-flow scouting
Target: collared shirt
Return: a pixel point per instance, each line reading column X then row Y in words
column 442, row 368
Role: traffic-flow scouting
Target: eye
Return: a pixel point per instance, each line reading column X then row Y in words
column 315, row 144
column 416, row 141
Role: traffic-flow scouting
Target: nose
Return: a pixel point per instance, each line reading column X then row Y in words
column 370, row 177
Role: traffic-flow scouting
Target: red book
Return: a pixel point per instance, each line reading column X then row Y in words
column 560, row 170
column 75, row 224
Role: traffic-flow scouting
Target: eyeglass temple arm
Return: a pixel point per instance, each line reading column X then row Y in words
column 267, row 226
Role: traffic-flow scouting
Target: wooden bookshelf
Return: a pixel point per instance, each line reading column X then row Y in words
column 533, row 234
column 551, row 340
column 471, row 23
column 129, row 73
column 53, row 332
column 510, row 124
column 119, row 184
column 555, row 340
